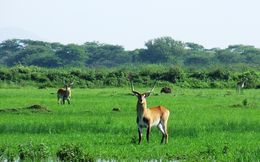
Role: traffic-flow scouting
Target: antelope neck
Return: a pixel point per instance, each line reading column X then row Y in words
column 141, row 107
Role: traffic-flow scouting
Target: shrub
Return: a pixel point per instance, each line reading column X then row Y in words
column 196, row 83
column 83, row 78
column 8, row 153
column 173, row 75
column 198, row 75
column 219, row 74
column 30, row 151
column 2, row 153
column 72, row 152
column 219, row 84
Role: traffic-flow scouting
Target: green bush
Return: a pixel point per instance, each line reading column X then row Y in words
column 219, row 74
column 72, row 152
column 34, row 152
column 196, row 83
column 7, row 153
column 142, row 76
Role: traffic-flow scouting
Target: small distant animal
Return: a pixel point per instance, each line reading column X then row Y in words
column 148, row 117
column 166, row 90
column 241, row 85
column 64, row 94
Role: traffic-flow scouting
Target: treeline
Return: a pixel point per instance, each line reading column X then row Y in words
column 164, row 50
column 119, row 77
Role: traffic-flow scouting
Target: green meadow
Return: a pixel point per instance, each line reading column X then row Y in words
column 204, row 124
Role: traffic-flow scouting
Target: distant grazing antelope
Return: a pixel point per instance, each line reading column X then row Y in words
column 241, row 84
column 64, row 93
column 166, row 90
column 146, row 118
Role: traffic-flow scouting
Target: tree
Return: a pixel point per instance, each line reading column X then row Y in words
column 194, row 46
column 162, row 50
column 228, row 57
column 106, row 55
column 72, row 55
column 250, row 54
column 196, row 60
column 8, row 49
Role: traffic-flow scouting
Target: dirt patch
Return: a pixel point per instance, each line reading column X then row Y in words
column 236, row 106
column 33, row 108
column 37, row 108
column 9, row 110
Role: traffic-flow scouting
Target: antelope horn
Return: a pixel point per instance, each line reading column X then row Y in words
column 153, row 86
column 132, row 87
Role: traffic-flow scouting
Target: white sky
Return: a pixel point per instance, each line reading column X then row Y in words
column 131, row 23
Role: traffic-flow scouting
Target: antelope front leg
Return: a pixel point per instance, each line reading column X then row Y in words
column 140, row 135
column 148, row 133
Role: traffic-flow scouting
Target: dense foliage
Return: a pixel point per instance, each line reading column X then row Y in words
column 164, row 50
column 119, row 77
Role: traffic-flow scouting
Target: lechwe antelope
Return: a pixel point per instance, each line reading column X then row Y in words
column 64, row 93
column 241, row 84
column 146, row 118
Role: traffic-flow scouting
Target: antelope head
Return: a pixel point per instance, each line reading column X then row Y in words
column 142, row 96
column 68, row 86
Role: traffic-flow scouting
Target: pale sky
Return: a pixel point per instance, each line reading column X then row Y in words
column 131, row 23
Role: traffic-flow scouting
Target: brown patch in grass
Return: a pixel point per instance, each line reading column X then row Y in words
column 33, row 108
column 236, row 106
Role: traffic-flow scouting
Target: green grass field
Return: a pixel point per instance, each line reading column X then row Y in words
column 204, row 125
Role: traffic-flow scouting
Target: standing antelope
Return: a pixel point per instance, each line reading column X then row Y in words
column 64, row 93
column 241, row 84
column 155, row 116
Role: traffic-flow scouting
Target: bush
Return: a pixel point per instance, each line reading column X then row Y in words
column 196, row 83
column 219, row 84
column 141, row 76
column 252, row 79
column 173, row 75
column 7, row 153
column 72, row 152
column 2, row 153
column 34, row 152
column 219, row 74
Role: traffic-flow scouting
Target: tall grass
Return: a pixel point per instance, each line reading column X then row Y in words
column 203, row 125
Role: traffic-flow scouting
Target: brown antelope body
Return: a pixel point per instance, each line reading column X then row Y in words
column 146, row 118
column 64, row 94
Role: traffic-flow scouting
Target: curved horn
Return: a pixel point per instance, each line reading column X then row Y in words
column 132, row 87
column 153, row 86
